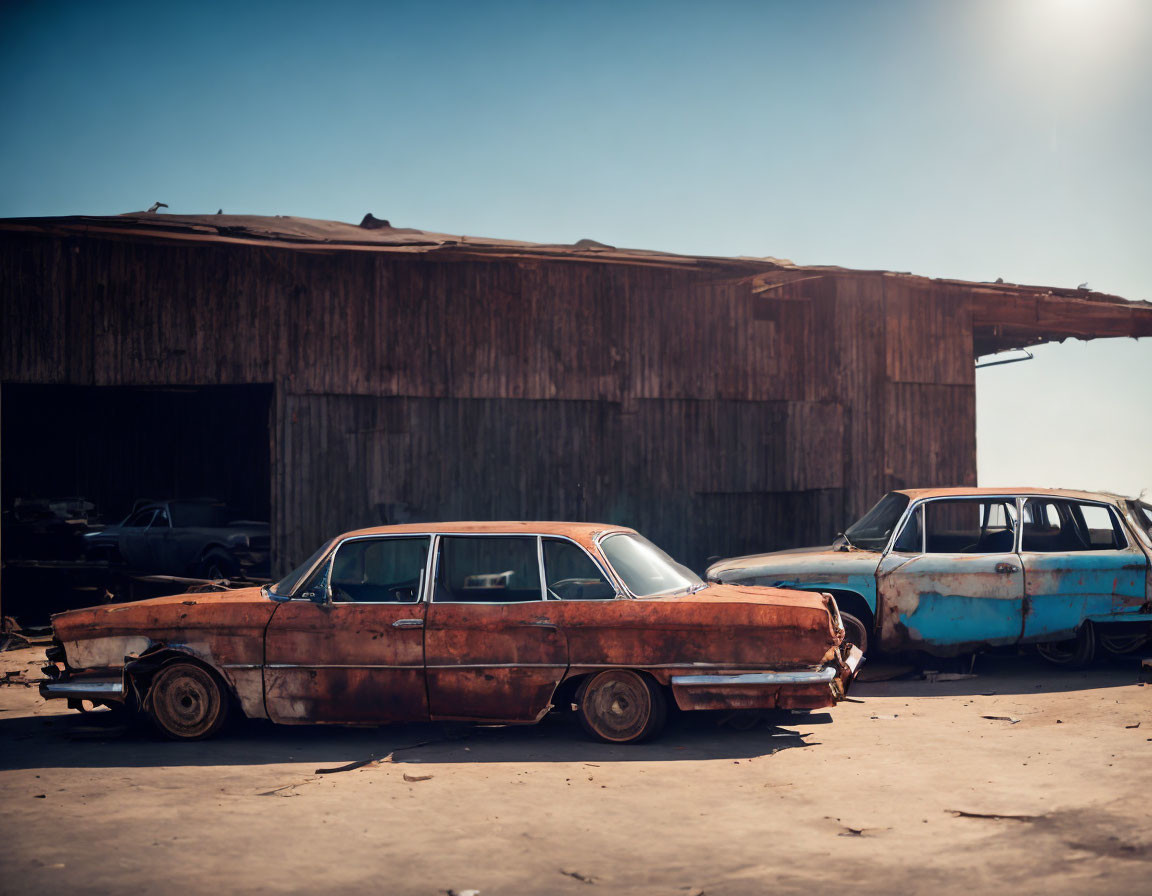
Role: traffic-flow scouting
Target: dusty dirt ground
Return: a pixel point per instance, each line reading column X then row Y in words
column 867, row 795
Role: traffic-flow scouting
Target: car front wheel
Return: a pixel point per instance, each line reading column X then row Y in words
column 187, row 702
column 855, row 631
column 619, row 706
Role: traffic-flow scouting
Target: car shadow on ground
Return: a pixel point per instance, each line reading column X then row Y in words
column 1001, row 674
column 96, row 740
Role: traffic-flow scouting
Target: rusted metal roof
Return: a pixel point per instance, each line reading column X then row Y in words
column 1004, row 315
column 1027, row 491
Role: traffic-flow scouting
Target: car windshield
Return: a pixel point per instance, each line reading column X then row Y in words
column 872, row 531
column 646, row 569
column 1143, row 514
column 287, row 584
column 192, row 515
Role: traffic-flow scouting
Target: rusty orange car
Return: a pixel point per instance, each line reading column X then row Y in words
column 486, row 622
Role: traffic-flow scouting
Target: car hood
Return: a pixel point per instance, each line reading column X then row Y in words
column 794, row 566
column 210, row 608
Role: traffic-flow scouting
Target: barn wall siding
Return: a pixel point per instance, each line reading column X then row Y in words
column 717, row 413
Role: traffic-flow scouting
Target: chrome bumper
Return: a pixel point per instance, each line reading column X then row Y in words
column 83, row 690
column 827, row 674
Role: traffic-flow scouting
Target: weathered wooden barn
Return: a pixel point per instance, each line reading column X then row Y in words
column 327, row 376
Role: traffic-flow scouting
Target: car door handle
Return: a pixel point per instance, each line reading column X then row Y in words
column 408, row 623
column 1006, row 568
column 540, row 623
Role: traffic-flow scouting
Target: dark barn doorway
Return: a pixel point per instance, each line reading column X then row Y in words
column 63, row 448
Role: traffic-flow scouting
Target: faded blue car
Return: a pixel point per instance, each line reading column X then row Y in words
column 950, row 571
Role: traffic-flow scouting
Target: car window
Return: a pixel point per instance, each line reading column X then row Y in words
column 1055, row 526
column 497, row 569
column 141, row 518
column 909, row 541
column 966, row 526
column 646, row 569
column 199, row 515
column 1100, row 527
column 379, row 570
column 571, row 574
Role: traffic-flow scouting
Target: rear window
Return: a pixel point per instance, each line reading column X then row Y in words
column 1053, row 525
column 198, row 515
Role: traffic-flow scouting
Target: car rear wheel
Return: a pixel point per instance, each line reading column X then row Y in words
column 619, row 706
column 187, row 702
column 1122, row 645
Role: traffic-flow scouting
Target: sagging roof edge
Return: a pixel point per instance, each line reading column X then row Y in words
column 1005, row 315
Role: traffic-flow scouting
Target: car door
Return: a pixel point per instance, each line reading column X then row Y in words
column 136, row 538
column 349, row 648
column 1078, row 563
column 492, row 647
column 952, row 580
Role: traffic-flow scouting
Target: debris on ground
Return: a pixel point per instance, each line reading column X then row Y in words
column 894, row 716
column 412, row 779
column 462, row 892
column 1137, row 725
column 1011, row 719
column 995, row 816
column 583, row 878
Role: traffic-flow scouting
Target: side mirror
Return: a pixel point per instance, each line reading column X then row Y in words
column 317, row 597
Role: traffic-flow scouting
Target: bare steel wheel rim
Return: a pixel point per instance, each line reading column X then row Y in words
column 618, row 705
column 186, row 701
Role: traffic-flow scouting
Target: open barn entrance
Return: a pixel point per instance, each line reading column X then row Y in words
column 73, row 458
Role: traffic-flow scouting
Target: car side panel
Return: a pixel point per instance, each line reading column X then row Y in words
column 665, row 637
column 345, row 663
column 1064, row 589
column 499, row 662
column 945, row 604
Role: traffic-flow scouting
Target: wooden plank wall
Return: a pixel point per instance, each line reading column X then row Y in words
column 715, row 418
column 367, row 460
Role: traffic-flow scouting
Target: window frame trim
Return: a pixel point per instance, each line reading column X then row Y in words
column 434, row 557
column 330, row 559
column 544, row 571
column 919, row 502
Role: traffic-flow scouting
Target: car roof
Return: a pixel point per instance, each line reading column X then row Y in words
column 959, row 491
column 584, row 532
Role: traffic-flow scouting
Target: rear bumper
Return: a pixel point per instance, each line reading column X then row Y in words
column 790, row 689
column 97, row 689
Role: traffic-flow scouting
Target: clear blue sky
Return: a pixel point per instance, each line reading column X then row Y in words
column 972, row 138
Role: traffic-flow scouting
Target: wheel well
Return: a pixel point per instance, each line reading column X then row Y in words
column 851, row 602
column 141, row 672
column 565, row 694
